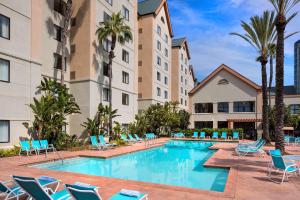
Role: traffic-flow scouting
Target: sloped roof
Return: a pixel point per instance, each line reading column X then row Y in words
column 179, row 42
column 148, row 7
column 193, row 73
column 229, row 70
column 287, row 90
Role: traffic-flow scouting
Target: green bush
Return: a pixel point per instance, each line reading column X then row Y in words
column 9, row 152
column 65, row 142
column 120, row 142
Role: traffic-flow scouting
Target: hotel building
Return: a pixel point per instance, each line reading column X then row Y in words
column 154, row 53
column 182, row 73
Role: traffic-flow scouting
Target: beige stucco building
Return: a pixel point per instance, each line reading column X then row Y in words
column 182, row 81
column 89, row 60
column 154, row 53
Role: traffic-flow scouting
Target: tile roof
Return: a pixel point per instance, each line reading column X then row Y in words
column 287, row 90
column 148, row 6
column 178, row 42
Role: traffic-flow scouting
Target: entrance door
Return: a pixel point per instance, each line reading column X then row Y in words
column 248, row 128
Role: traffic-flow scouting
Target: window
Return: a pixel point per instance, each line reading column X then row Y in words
column 158, row 30
column 106, row 45
column 140, row 30
column 181, row 56
column 4, row 27
column 166, row 66
column 109, row 1
column 166, row 53
column 185, row 60
column 204, row 108
column 181, row 67
column 73, row 21
column 158, row 91
column 158, row 45
column 105, row 69
column 166, row 80
column 185, row 71
column 73, row 48
column 181, row 79
column 185, row 81
column 162, row 19
column 223, row 107
column 125, row 99
column 105, row 94
column 140, row 46
column 59, row 6
column 106, row 17
column 181, row 90
column 166, row 38
column 244, row 106
column 203, row 124
column 158, row 60
column 125, row 56
column 4, row 131
column 295, row 109
column 57, row 61
column 166, row 94
column 222, row 124
column 158, row 76
column 125, row 77
column 185, row 102
column 125, row 13
column 181, row 101
column 185, row 92
column 57, row 33
column 4, row 70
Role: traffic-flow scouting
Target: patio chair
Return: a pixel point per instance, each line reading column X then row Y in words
column 215, row 135
column 37, row 146
column 37, row 191
column 195, row 136
column 235, row 136
column 103, row 143
column 279, row 164
column 138, row 138
column 297, row 141
column 45, row 145
column 95, row 143
column 245, row 150
column 224, row 135
column 253, row 144
column 202, row 135
column 132, row 139
column 25, row 147
column 124, row 138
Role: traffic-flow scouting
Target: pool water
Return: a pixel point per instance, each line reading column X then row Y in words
column 177, row 163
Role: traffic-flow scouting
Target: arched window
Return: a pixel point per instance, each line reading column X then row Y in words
column 162, row 19
column 223, row 82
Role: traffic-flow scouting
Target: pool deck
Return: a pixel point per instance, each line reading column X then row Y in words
column 246, row 180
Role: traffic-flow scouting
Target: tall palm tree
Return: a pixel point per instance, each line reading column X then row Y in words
column 282, row 8
column 259, row 33
column 65, row 35
column 272, row 53
column 117, row 30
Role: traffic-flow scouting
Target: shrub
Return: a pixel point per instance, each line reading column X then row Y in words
column 66, row 141
column 9, row 152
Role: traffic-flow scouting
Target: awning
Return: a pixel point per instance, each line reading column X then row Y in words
column 244, row 120
column 288, row 128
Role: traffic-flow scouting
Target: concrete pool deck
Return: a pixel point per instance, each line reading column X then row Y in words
column 246, row 180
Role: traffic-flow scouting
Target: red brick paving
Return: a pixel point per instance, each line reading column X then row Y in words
column 246, row 180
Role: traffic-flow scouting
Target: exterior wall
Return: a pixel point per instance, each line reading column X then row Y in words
column 212, row 92
column 89, row 81
column 148, row 82
column 288, row 100
column 25, row 72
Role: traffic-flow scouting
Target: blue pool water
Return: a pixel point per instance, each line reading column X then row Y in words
column 178, row 163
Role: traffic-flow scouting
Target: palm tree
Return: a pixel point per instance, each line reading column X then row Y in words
column 65, row 35
column 282, row 8
column 117, row 30
column 272, row 53
column 259, row 33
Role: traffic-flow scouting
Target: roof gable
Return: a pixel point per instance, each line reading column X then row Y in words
column 230, row 71
column 180, row 42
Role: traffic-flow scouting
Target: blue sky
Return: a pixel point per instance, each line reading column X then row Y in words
column 207, row 24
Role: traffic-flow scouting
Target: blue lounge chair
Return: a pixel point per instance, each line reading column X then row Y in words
column 224, row 136
column 124, row 138
column 37, row 191
column 235, row 135
column 36, row 146
column 129, row 195
column 215, row 135
column 138, row 138
column 250, row 149
column 279, row 164
column 103, row 143
column 25, row 147
column 297, row 141
column 250, row 144
column 10, row 191
column 195, row 136
column 45, row 145
column 95, row 143
column 202, row 135
column 132, row 139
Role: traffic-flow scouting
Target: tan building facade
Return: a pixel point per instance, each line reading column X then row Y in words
column 154, row 53
column 182, row 73
column 89, row 61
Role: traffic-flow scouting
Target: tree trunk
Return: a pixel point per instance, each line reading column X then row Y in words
column 279, row 104
column 111, row 57
column 265, row 117
column 271, row 79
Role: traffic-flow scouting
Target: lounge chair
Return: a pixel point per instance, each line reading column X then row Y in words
column 10, row 190
column 179, row 135
column 25, row 147
column 224, row 136
column 202, row 135
column 250, row 149
column 37, row 146
column 45, row 145
column 251, row 144
column 235, row 136
column 297, row 141
column 38, row 188
column 279, row 164
column 95, row 143
column 138, row 138
column 215, row 135
column 195, row 136
column 124, row 138
column 132, row 139
column 129, row 195
column 103, row 143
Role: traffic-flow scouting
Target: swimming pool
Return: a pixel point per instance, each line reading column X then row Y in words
column 177, row 163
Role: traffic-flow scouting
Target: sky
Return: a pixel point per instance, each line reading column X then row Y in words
column 207, row 24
